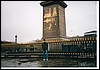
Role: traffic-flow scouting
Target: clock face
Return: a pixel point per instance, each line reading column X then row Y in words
column 50, row 18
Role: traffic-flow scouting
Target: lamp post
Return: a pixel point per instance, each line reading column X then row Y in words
column 15, row 38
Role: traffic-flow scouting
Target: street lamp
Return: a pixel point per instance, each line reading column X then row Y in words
column 15, row 38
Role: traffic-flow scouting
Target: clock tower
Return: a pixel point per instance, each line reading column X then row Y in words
column 54, row 19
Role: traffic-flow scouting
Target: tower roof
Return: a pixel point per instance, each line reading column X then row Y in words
column 46, row 3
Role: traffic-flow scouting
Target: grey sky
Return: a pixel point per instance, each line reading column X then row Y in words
column 24, row 18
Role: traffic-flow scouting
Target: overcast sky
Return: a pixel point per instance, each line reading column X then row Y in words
column 25, row 19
